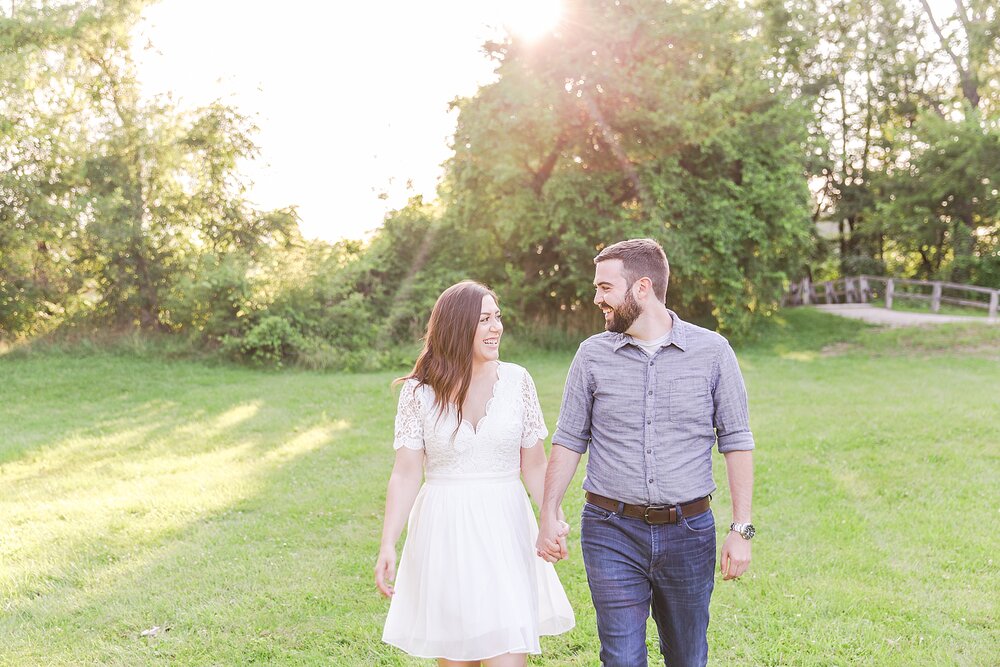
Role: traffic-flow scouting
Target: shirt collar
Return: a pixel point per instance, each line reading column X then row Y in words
column 677, row 338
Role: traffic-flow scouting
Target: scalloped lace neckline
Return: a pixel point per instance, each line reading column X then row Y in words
column 489, row 404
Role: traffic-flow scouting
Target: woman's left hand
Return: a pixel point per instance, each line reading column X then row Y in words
column 385, row 571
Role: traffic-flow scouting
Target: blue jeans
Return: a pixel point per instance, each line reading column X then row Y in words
column 633, row 567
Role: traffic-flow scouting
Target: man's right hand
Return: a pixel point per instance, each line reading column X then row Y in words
column 552, row 538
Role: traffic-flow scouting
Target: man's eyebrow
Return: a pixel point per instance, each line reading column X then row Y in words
column 604, row 282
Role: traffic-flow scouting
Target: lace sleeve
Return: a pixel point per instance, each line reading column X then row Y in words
column 409, row 418
column 533, row 427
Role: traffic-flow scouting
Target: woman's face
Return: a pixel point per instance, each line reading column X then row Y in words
column 486, row 345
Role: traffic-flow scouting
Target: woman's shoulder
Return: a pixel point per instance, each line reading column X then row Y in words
column 513, row 371
column 414, row 387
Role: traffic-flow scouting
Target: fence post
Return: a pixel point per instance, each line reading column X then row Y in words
column 890, row 286
column 805, row 292
column 936, row 298
column 863, row 280
column 848, row 290
column 994, row 297
column 830, row 298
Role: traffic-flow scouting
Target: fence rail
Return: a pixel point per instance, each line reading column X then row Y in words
column 864, row 289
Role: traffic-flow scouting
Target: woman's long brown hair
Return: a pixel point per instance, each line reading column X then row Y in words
column 445, row 362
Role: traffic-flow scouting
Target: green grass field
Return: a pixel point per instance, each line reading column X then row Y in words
column 239, row 511
column 903, row 304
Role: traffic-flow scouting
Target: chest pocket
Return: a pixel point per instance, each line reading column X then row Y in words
column 690, row 401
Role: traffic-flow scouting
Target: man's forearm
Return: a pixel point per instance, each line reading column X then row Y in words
column 739, row 470
column 558, row 474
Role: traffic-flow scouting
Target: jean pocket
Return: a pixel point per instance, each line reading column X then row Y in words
column 591, row 511
column 700, row 523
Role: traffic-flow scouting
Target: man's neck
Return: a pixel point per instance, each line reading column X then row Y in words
column 655, row 322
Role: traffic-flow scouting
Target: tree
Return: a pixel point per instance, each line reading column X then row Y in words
column 123, row 196
column 638, row 119
column 897, row 90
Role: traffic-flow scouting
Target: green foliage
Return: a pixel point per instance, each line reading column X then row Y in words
column 905, row 128
column 110, row 206
column 651, row 120
column 700, row 125
column 271, row 340
column 212, row 299
column 942, row 210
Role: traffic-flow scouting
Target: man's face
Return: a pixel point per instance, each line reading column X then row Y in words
column 614, row 296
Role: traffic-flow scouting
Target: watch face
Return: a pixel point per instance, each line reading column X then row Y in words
column 749, row 531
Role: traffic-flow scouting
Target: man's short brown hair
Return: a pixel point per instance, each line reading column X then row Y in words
column 641, row 258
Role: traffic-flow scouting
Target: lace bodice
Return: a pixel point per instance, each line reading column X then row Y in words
column 513, row 420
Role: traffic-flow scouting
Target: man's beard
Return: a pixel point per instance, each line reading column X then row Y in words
column 624, row 315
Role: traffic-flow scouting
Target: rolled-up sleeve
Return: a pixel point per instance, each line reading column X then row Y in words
column 732, row 414
column 573, row 425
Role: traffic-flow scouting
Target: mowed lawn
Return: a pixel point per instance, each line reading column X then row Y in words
column 234, row 515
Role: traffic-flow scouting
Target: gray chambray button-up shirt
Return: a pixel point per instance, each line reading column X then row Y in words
column 651, row 422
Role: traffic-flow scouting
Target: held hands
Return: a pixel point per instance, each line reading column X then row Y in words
column 735, row 557
column 385, row 570
column 552, row 536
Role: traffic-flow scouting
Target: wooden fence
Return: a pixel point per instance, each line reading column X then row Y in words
column 863, row 289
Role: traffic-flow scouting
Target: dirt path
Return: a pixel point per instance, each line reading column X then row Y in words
column 894, row 318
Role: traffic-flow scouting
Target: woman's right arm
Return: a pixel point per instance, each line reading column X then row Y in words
column 404, row 484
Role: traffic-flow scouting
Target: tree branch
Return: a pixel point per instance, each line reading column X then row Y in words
column 970, row 87
column 944, row 42
column 963, row 16
column 541, row 177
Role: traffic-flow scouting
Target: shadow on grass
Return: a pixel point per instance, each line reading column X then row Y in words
column 190, row 518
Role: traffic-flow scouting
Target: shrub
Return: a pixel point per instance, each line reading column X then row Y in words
column 272, row 341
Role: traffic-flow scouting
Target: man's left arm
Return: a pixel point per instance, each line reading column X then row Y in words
column 735, row 557
column 735, row 441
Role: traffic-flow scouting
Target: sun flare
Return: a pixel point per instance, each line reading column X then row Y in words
column 532, row 19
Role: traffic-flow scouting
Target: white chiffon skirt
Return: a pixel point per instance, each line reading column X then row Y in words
column 469, row 585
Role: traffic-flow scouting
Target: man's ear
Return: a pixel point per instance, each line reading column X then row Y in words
column 645, row 288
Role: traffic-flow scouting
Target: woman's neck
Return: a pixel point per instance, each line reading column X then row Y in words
column 483, row 368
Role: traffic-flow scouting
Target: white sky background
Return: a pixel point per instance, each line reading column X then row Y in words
column 351, row 98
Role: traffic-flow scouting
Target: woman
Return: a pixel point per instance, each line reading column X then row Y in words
column 470, row 588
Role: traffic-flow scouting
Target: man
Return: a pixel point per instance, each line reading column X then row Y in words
column 650, row 397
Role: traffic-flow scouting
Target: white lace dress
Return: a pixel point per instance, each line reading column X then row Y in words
column 469, row 585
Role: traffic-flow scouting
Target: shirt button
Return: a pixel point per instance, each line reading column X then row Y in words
column 651, row 363
column 650, row 393
column 650, row 481
column 649, row 421
column 649, row 451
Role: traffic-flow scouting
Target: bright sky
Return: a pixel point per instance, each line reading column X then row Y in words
column 351, row 98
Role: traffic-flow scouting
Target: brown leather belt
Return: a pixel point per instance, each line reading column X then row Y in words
column 651, row 514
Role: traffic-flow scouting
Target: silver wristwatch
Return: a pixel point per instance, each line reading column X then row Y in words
column 746, row 530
